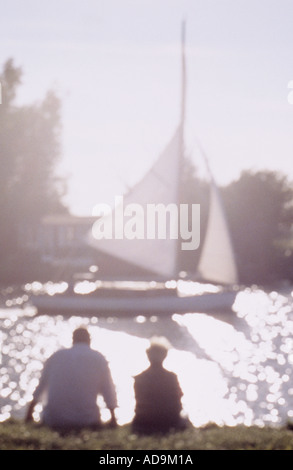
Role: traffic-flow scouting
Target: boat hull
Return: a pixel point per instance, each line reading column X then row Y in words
column 83, row 305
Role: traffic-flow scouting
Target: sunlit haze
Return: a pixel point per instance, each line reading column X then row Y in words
column 116, row 66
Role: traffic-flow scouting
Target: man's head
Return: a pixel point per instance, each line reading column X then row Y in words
column 81, row 335
column 157, row 352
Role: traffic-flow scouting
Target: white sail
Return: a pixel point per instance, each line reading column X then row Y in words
column 159, row 186
column 217, row 261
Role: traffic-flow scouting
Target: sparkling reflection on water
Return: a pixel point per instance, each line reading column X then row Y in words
column 234, row 371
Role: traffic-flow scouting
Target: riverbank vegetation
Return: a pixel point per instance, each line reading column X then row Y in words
column 16, row 435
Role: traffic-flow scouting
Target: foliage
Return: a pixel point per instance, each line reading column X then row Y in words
column 30, row 149
column 259, row 212
column 16, row 435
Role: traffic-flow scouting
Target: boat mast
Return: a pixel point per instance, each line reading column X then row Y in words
column 183, row 82
column 181, row 139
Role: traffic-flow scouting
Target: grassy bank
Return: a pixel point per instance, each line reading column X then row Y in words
column 16, row 435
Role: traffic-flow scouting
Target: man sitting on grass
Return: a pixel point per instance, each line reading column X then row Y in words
column 72, row 379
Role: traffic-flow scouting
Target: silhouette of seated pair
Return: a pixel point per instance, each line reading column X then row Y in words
column 73, row 378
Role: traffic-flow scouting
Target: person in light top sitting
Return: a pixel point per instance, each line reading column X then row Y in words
column 72, row 379
column 158, row 395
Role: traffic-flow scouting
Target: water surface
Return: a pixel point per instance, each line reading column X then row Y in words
column 232, row 368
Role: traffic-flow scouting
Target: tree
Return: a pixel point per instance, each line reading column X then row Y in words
column 30, row 149
column 259, row 211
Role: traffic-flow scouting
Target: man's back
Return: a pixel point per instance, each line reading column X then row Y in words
column 73, row 378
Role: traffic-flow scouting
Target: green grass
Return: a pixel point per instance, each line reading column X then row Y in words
column 16, row 435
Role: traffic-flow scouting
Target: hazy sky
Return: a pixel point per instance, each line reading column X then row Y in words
column 116, row 66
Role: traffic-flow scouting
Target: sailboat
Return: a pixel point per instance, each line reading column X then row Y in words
column 159, row 256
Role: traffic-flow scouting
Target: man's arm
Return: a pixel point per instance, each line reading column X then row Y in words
column 109, row 393
column 41, row 387
column 30, row 410
column 113, row 422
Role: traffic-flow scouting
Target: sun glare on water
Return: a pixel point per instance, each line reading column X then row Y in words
column 230, row 372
